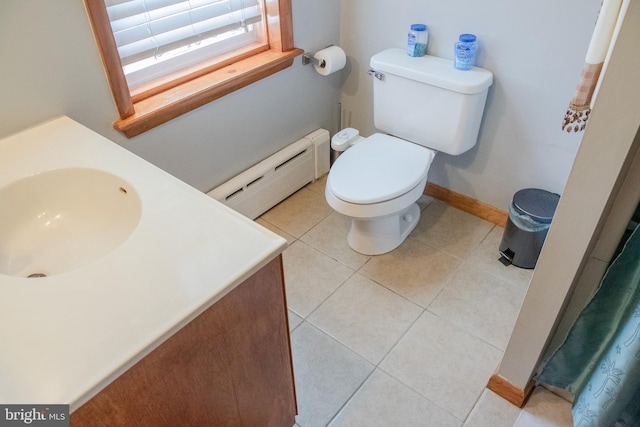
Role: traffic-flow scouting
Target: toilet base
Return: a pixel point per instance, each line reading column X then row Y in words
column 375, row 236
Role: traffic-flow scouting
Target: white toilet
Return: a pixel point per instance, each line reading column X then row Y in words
column 428, row 106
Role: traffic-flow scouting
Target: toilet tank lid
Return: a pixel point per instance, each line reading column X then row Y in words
column 432, row 70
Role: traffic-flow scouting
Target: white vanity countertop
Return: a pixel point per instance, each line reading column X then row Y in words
column 65, row 337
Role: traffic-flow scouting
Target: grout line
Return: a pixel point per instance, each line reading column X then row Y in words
column 384, row 357
column 351, row 351
column 418, row 393
column 475, row 404
column 350, row 398
column 329, row 296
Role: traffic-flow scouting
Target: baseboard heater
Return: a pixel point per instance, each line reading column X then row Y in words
column 264, row 185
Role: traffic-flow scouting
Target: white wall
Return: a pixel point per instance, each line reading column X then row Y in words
column 535, row 50
column 50, row 66
column 594, row 186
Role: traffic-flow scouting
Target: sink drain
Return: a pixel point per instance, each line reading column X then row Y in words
column 31, row 276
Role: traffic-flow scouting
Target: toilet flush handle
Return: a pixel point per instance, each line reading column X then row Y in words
column 377, row 74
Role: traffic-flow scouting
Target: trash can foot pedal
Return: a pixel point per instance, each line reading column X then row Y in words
column 505, row 261
column 506, row 257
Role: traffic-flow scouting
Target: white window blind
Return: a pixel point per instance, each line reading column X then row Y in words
column 158, row 37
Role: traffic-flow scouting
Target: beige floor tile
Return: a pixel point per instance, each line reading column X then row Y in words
column 492, row 411
column 310, row 277
column 294, row 320
column 330, row 237
column 297, row 214
column 279, row 232
column 450, row 229
column 383, row 402
column 326, row 374
column 366, row 317
column 414, row 270
column 318, row 185
column 545, row 409
column 440, row 366
column 424, row 201
column 481, row 304
column 486, row 256
column 445, row 364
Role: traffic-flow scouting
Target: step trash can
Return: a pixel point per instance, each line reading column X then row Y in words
column 530, row 215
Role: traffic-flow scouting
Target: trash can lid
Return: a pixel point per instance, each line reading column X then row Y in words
column 539, row 204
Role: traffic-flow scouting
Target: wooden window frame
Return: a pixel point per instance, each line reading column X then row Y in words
column 141, row 113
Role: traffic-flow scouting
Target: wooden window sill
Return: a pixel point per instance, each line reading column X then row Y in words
column 167, row 105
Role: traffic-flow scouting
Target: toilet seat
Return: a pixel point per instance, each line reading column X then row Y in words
column 378, row 169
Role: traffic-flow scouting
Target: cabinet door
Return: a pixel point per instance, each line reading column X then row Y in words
column 231, row 366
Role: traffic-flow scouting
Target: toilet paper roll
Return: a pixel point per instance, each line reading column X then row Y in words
column 331, row 60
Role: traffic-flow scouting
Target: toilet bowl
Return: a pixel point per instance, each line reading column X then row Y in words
column 376, row 183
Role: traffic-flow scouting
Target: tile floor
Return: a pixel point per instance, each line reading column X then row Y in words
column 408, row 338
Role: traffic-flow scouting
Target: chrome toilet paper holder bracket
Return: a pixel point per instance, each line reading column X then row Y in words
column 308, row 58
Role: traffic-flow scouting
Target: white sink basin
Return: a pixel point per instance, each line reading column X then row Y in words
column 63, row 219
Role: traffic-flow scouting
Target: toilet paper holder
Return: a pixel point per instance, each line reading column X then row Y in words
column 308, row 58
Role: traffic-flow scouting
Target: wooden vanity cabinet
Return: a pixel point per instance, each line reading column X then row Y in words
column 230, row 366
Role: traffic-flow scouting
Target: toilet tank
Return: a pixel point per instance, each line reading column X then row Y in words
column 426, row 101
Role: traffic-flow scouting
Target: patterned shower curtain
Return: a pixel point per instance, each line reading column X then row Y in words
column 599, row 361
